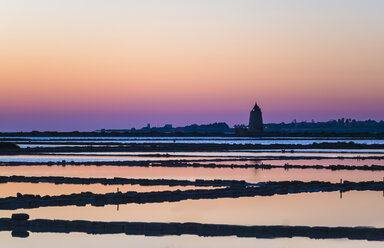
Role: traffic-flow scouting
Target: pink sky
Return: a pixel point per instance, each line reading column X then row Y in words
column 85, row 65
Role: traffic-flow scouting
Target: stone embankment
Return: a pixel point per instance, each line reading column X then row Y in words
column 20, row 226
column 122, row 181
column 262, row 189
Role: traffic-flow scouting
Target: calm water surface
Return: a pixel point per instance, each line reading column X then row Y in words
column 162, row 156
column 48, row 240
column 198, row 140
column 187, row 173
column 11, row 189
column 308, row 209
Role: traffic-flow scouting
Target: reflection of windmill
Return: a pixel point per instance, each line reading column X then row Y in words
column 256, row 174
column 118, row 205
column 341, row 191
column 256, row 171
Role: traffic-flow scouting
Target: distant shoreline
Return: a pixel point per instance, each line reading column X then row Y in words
column 157, row 134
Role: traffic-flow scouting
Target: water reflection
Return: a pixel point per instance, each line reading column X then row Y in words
column 308, row 209
column 187, row 173
column 325, row 162
column 254, row 153
column 11, row 189
column 251, row 175
column 164, row 156
column 201, row 140
column 48, row 240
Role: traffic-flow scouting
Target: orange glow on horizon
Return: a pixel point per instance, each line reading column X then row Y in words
column 111, row 58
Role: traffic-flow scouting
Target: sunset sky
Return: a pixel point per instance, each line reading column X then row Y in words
column 91, row 64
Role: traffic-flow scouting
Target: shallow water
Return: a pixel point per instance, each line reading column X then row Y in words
column 52, row 145
column 202, row 140
column 184, row 173
column 80, row 158
column 315, row 151
column 325, row 162
column 254, row 153
column 308, row 209
column 11, row 189
column 251, row 175
column 163, row 156
column 48, row 240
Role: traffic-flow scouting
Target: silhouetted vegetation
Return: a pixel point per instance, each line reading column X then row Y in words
column 342, row 125
column 7, row 146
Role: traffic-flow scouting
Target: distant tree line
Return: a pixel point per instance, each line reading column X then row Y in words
column 339, row 123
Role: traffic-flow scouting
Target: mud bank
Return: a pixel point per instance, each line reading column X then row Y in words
column 20, row 226
column 260, row 189
column 122, row 181
column 191, row 163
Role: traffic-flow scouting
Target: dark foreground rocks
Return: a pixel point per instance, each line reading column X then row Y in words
column 199, row 229
column 21, row 217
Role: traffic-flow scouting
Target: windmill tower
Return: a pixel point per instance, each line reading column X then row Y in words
column 255, row 126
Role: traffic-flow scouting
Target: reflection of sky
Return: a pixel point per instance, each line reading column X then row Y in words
column 309, row 209
column 181, row 173
column 325, row 162
column 42, row 189
column 247, row 174
column 163, row 156
column 323, row 209
column 245, row 153
column 189, row 140
column 171, row 138
column 253, row 142
column 47, row 240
